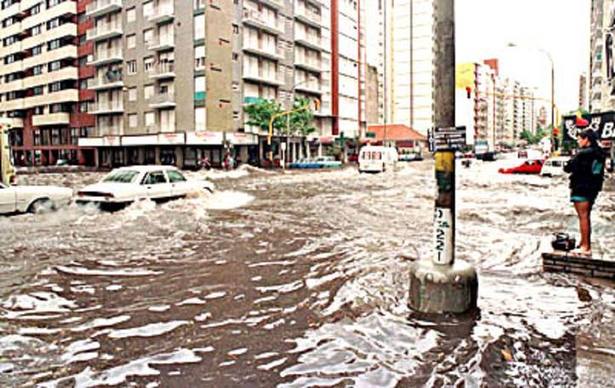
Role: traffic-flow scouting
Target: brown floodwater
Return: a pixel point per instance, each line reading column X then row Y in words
column 297, row 279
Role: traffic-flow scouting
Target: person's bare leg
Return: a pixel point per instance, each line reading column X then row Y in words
column 583, row 209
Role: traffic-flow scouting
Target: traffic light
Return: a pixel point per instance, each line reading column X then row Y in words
column 469, row 92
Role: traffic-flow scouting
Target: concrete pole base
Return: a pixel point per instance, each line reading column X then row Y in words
column 441, row 289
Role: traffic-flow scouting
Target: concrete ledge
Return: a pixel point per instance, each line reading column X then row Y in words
column 565, row 262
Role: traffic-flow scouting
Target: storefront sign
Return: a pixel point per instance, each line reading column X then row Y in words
column 239, row 138
column 602, row 123
column 171, row 138
column 139, row 140
column 204, row 138
column 111, row 141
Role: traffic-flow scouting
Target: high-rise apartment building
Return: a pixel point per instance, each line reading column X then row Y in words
column 583, row 91
column 172, row 81
column 43, row 80
column 409, row 69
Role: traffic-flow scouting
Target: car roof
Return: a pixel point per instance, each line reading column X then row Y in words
column 148, row 168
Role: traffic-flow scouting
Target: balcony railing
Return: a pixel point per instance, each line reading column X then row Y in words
column 259, row 49
column 108, row 108
column 259, row 20
column 164, row 70
column 162, row 14
column 104, row 31
column 159, row 44
column 101, row 7
column 308, row 16
column 103, row 57
column 260, row 76
column 162, row 100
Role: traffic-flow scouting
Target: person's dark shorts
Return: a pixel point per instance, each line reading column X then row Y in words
column 591, row 198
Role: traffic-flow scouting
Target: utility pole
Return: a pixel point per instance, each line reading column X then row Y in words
column 443, row 284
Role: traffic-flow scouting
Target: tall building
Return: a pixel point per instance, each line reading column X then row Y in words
column 42, row 86
column 583, row 91
column 152, row 107
column 407, row 61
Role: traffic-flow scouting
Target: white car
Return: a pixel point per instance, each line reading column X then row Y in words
column 125, row 185
column 554, row 166
column 34, row 199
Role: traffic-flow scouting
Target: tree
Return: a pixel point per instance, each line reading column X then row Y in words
column 261, row 112
column 302, row 120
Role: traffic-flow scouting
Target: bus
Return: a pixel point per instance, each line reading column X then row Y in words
column 7, row 170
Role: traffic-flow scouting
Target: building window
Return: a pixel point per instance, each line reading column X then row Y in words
column 148, row 9
column 36, row 30
column 235, row 29
column 131, row 41
column 148, row 91
column 150, row 119
column 39, row 110
column 54, row 44
column 199, row 88
column 37, row 70
column 83, row 83
column 36, row 50
column 199, row 27
column 199, row 119
column 132, row 94
column 132, row 67
column 53, row 23
column 148, row 64
column 84, row 106
column 55, row 87
column 55, row 65
column 131, row 14
column 199, row 58
column 148, row 36
column 38, row 91
column 133, row 121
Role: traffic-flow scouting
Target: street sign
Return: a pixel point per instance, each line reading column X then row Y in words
column 447, row 139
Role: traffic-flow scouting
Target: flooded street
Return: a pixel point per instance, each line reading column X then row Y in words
column 296, row 279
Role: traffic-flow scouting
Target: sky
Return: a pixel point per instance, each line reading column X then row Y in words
column 484, row 28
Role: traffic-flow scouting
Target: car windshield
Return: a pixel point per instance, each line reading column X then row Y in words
column 121, row 176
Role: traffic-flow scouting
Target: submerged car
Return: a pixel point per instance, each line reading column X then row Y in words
column 528, row 167
column 554, row 166
column 125, row 185
column 33, row 199
column 318, row 162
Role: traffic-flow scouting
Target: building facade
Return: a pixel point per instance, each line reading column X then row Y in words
column 152, row 107
column 43, row 80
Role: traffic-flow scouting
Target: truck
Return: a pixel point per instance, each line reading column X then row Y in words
column 7, row 170
column 483, row 150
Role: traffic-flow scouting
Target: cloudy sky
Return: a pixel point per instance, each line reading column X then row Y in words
column 484, row 28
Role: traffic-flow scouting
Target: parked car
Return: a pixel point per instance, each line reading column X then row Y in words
column 33, row 199
column 377, row 158
column 554, row 166
column 318, row 162
column 410, row 156
column 125, row 185
column 528, row 167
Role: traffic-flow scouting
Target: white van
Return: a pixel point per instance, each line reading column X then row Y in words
column 554, row 166
column 377, row 158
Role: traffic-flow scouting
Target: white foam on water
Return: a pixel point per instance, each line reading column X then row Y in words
column 227, row 200
column 151, row 330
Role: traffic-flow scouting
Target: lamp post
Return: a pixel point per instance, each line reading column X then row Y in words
column 548, row 55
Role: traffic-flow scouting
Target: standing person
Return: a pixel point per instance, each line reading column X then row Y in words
column 586, row 175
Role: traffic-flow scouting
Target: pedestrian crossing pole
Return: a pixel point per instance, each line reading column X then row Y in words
column 443, row 284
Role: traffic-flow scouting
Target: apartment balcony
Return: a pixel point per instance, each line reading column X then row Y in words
column 315, row 43
column 162, row 101
column 256, row 19
column 308, row 17
column 162, row 15
column 61, row 118
column 308, row 87
column 104, row 32
column 109, row 81
column 163, row 71
column 108, row 108
column 260, row 77
column 105, row 57
column 273, row 3
column 102, row 7
column 162, row 44
column 14, row 122
column 312, row 65
column 270, row 52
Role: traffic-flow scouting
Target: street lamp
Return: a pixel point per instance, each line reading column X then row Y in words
column 541, row 50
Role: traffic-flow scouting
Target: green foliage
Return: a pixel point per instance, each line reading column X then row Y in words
column 299, row 123
column 302, row 121
column 534, row 138
column 261, row 112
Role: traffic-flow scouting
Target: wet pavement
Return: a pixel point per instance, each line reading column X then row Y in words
column 296, row 279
